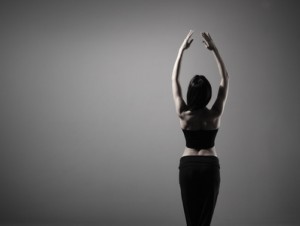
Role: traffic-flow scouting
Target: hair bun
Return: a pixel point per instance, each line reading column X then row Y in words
column 199, row 92
column 198, row 82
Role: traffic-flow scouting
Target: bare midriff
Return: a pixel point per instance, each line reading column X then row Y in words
column 205, row 152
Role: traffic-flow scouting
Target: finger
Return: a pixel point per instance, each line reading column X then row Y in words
column 187, row 37
column 205, row 39
column 190, row 33
column 204, row 35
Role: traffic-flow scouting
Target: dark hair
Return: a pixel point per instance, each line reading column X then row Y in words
column 198, row 93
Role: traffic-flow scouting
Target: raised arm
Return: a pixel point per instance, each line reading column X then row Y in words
column 180, row 105
column 219, row 104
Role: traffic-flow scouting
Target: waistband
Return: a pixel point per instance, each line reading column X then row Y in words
column 199, row 159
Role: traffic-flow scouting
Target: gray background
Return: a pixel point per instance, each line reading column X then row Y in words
column 89, row 133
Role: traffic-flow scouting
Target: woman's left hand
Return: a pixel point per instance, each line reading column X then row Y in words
column 208, row 42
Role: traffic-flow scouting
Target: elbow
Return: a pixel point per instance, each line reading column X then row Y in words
column 225, row 75
column 224, row 81
column 175, row 78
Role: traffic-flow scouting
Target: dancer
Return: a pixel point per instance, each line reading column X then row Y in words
column 199, row 169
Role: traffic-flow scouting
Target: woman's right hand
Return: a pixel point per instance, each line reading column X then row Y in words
column 187, row 41
column 208, row 42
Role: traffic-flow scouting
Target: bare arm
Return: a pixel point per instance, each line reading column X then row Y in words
column 219, row 104
column 180, row 105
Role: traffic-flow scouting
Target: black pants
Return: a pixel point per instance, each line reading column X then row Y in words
column 199, row 179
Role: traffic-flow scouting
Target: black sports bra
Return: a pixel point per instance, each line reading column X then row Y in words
column 200, row 139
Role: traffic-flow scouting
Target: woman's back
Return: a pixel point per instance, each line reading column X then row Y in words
column 202, row 119
column 200, row 128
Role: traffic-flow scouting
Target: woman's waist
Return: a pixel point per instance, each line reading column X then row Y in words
column 204, row 152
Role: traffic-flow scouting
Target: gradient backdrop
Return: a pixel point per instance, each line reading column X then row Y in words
column 89, row 134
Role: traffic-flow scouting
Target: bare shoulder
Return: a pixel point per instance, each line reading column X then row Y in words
column 214, row 118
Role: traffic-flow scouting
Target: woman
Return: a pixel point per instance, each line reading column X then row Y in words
column 199, row 169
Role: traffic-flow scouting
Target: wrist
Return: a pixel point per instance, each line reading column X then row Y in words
column 214, row 49
column 181, row 49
